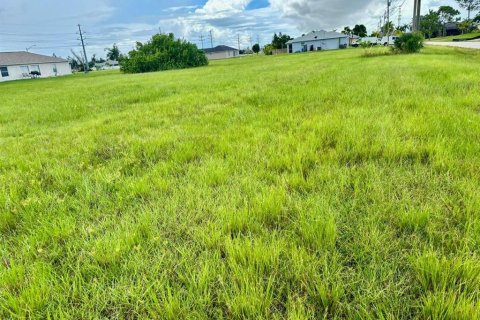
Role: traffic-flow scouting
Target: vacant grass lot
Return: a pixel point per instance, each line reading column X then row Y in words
column 323, row 185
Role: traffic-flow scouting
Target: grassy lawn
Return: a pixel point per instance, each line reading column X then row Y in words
column 462, row 36
column 309, row 186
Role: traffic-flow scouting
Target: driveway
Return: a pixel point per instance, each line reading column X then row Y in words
column 461, row 44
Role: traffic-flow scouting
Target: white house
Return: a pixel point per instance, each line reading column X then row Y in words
column 221, row 52
column 318, row 40
column 25, row 65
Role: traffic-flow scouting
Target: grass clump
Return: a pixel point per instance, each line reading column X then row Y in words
column 206, row 194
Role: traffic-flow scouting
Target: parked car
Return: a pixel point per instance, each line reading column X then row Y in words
column 388, row 41
column 373, row 40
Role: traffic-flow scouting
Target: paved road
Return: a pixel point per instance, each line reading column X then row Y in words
column 462, row 44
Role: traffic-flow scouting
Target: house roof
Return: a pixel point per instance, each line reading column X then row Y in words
column 318, row 35
column 23, row 57
column 219, row 49
column 451, row 26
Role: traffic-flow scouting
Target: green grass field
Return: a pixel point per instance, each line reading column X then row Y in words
column 309, row 186
column 462, row 36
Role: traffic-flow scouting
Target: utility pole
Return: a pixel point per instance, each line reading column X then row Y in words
column 238, row 39
column 414, row 19
column 416, row 15
column 83, row 46
column 399, row 17
column 389, row 2
column 419, row 7
column 211, row 39
column 383, row 23
column 201, row 39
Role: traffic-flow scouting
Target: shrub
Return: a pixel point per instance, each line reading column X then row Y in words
column 268, row 50
column 409, row 43
column 163, row 52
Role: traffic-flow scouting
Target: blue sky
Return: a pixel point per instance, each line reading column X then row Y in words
column 50, row 26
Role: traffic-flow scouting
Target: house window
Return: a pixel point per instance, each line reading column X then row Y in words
column 25, row 70
column 4, row 71
column 35, row 68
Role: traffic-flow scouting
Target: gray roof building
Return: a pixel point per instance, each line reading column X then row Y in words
column 219, row 49
column 25, row 65
column 25, row 58
column 221, row 52
column 318, row 35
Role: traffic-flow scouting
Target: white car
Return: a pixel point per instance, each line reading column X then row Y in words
column 388, row 41
column 373, row 40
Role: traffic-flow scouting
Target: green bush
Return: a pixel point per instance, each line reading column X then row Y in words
column 268, row 50
column 409, row 43
column 163, row 52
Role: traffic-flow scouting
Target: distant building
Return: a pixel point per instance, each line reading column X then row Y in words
column 26, row 65
column 353, row 40
column 318, row 40
column 452, row 29
column 112, row 63
column 221, row 52
column 107, row 65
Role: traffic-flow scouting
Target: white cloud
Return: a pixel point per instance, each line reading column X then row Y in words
column 216, row 8
column 334, row 14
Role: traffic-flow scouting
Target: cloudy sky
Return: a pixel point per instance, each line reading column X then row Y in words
column 50, row 26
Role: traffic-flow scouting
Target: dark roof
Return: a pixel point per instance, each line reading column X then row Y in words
column 23, row 57
column 451, row 26
column 219, row 49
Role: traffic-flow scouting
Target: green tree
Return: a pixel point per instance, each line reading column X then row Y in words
column 75, row 64
column 268, row 50
column 430, row 23
column 469, row 5
column 360, row 30
column 465, row 26
column 162, row 52
column 477, row 18
column 388, row 28
column 347, row 31
column 92, row 62
column 113, row 53
column 280, row 41
column 402, row 29
column 256, row 48
column 446, row 14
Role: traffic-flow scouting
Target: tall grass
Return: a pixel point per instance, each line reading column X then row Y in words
column 306, row 186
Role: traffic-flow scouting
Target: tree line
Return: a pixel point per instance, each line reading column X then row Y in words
column 433, row 24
